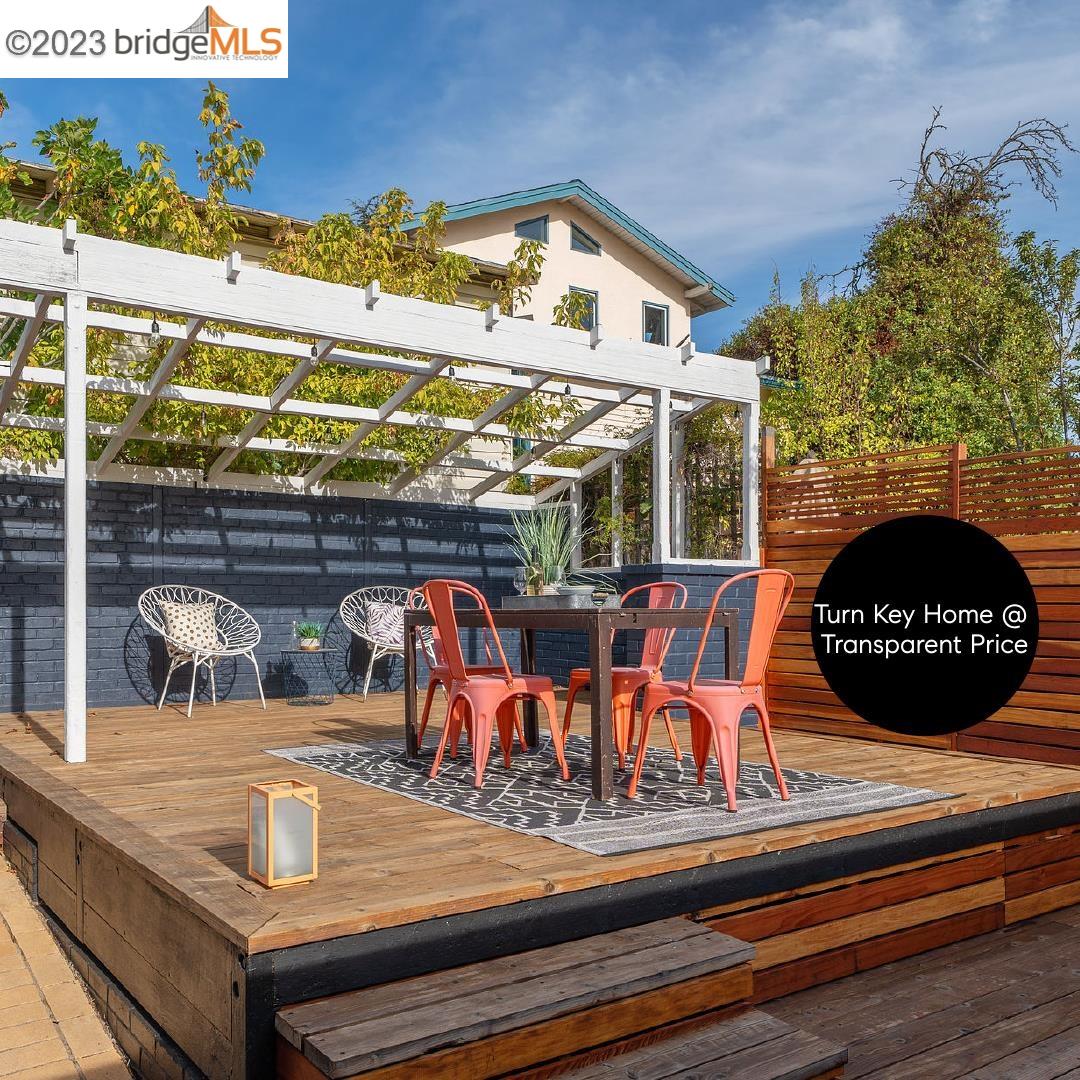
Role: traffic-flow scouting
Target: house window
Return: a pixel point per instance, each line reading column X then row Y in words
column 592, row 316
column 534, row 229
column 580, row 240
column 654, row 327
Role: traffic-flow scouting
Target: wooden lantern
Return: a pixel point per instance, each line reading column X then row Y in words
column 283, row 832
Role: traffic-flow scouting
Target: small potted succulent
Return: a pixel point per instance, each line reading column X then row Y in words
column 309, row 635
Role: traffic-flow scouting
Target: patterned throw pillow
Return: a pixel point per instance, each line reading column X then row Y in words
column 386, row 622
column 191, row 625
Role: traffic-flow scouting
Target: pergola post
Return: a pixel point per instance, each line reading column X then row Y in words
column 661, row 478
column 616, row 511
column 75, row 527
column 577, row 556
column 751, row 483
column 678, row 493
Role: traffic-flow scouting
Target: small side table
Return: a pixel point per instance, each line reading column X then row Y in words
column 308, row 676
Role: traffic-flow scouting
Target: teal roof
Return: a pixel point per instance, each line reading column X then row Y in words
column 579, row 190
column 774, row 383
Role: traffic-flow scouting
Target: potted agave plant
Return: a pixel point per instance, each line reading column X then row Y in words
column 309, row 635
column 544, row 541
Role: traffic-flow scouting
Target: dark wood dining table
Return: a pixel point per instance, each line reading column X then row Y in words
column 597, row 624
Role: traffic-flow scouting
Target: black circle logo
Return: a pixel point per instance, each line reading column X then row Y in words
column 924, row 625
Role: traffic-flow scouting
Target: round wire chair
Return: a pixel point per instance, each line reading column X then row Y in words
column 376, row 615
column 235, row 633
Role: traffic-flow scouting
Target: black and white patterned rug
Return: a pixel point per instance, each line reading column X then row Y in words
column 530, row 797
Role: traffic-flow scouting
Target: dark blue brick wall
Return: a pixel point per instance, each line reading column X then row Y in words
column 281, row 557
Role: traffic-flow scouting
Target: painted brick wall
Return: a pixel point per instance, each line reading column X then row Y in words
column 280, row 557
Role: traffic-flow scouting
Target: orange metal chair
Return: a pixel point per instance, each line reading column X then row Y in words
column 715, row 705
column 627, row 681
column 439, row 675
column 487, row 701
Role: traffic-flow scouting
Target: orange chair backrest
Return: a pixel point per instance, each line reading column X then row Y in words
column 662, row 594
column 774, row 589
column 439, row 594
column 433, row 653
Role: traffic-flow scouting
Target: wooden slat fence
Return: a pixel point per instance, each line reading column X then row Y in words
column 1029, row 500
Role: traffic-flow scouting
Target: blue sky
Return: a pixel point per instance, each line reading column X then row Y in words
column 754, row 137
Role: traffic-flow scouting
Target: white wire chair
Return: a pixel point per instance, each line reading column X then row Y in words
column 376, row 615
column 235, row 633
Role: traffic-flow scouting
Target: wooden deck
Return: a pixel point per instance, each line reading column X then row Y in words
column 999, row 1007
column 141, row 855
column 184, row 783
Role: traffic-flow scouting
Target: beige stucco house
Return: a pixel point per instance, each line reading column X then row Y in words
column 639, row 287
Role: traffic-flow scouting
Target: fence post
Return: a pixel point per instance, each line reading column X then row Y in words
column 956, row 456
column 768, row 462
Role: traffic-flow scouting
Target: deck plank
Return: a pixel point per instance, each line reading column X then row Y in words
column 998, row 1007
column 750, row 1044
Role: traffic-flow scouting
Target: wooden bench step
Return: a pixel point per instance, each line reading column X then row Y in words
column 750, row 1045
column 513, row 1013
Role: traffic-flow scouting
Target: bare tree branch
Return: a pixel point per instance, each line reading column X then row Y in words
column 949, row 180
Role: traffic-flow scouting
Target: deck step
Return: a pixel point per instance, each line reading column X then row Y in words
column 514, row 1013
column 748, row 1044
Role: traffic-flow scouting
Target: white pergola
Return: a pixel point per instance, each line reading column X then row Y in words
column 62, row 276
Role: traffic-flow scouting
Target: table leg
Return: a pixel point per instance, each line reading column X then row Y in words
column 600, row 696
column 731, row 647
column 412, row 748
column 528, row 706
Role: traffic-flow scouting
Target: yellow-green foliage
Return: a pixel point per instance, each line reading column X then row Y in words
column 950, row 329
column 144, row 204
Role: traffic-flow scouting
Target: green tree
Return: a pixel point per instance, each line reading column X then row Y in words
column 1053, row 282
column 946, row 328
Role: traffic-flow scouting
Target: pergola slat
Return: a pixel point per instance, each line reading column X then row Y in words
column 568, row 432
column 280, row 394
column 490, row 416
column 177, row 351
column 34, row 321
column 388, row 408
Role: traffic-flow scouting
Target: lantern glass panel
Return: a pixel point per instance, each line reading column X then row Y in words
column 258, row 833
column 293, row 828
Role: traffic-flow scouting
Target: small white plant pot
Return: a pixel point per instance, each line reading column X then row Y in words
column 310, row 644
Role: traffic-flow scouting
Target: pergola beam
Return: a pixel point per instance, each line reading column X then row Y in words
column 284, row 348
column 456, row 462
column 114, row 273
column 194, row 395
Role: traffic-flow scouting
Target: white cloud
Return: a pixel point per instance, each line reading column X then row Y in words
column 737, row 139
